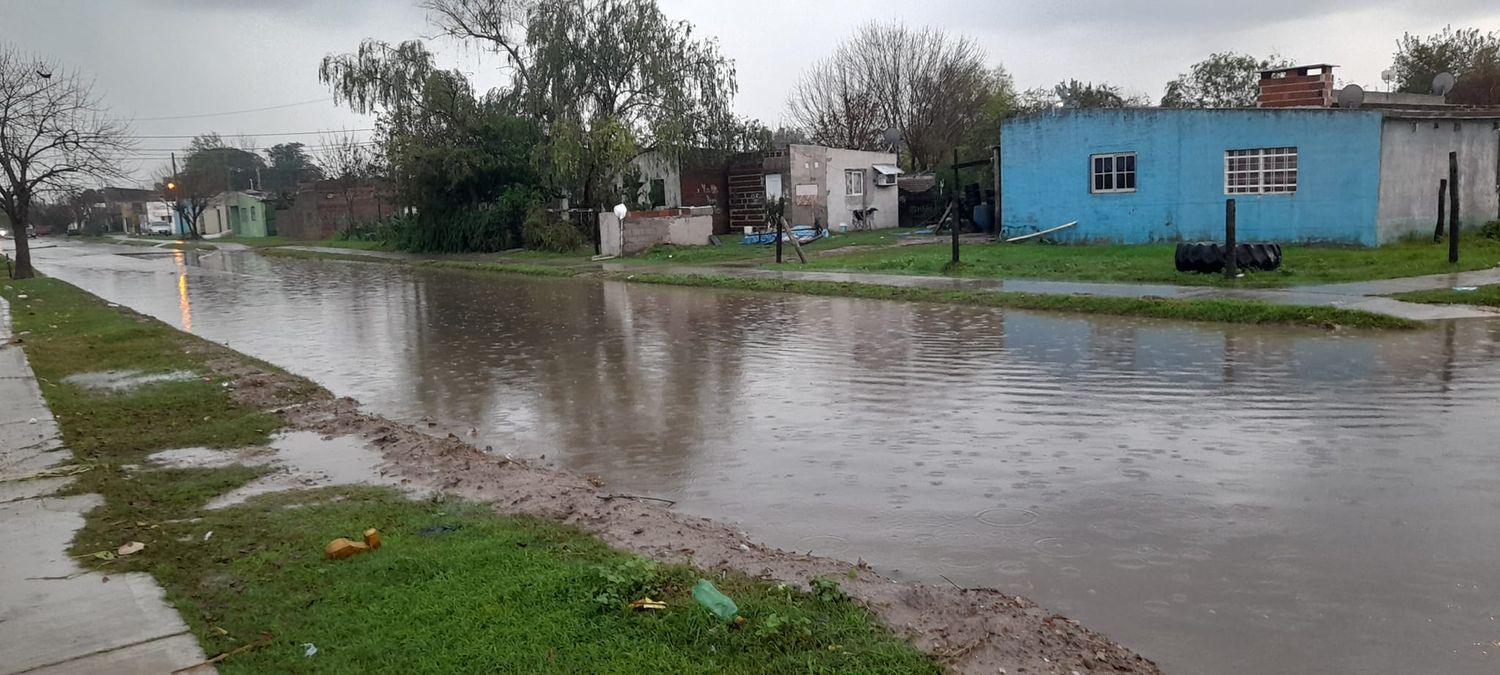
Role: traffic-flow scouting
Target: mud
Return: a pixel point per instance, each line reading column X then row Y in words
column 969, row 630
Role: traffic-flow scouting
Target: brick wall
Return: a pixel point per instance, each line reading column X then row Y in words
column 321, row 211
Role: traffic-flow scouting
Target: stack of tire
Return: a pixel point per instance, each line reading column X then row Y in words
column 1208, row 256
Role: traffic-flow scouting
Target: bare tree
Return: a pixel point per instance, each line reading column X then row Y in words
column 54, row 136
column 929, row 86
column 350, row 164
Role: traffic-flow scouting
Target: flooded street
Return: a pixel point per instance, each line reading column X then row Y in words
column 1220, row 498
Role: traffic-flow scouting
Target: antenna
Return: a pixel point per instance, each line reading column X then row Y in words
column 1351, row 97
column 1443, row 83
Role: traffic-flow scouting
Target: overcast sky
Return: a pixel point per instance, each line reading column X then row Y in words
column 153, row 59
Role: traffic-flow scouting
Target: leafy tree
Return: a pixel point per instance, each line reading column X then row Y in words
column 290, row 166
column 1223, row 80
column 606, row 81
column 1075, row 94
column 55, row 135
column 1473, row 57
column 929, row 86
column 219, row 167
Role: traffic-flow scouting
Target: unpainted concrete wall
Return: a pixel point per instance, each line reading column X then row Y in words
column 816, row 190
column 641, row 231
column 1414, row 159
column 1180, row 174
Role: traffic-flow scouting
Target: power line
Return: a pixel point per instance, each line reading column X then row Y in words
column 233, row 112
column 233, row 135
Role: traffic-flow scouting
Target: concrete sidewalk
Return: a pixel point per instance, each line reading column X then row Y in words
column 54, row 616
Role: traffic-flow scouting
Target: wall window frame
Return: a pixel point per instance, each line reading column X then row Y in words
column 1112, row 173
column 854, row 182
column 1261, row 171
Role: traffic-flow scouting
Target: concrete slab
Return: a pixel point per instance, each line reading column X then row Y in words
column 155, row 657
column 49, row 616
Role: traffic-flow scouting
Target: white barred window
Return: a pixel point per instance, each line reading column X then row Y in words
column 1260, row 171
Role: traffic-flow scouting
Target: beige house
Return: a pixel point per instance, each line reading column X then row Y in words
column 835, row 188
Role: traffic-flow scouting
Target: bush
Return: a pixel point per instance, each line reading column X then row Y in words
column 487, row 229
column 542, row 232
column 1491, row 230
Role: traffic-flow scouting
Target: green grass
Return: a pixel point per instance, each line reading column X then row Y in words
column 1485, row 296
column 272, row 242
column 1153, row 263
column 1224, row 310
column 488, row 594
column 734, row 253
column 325, row 255
column 506, row 268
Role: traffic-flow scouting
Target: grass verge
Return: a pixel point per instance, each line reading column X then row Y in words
column 1484, row 296
column 273, row 242
column 325, row 255
column 1223, row 310
column 506, row 268
column 456, row 588
column 1153, row 263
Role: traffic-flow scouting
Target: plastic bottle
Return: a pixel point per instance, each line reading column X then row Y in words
column 717, row 603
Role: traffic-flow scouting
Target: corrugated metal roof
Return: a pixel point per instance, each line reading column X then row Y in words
column 889, row 169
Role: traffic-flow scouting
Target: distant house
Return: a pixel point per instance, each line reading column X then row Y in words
column 835, row 188
column 1298, row 169
column 324, row 208
column 240, row 213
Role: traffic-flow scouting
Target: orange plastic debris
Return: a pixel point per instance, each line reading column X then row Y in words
column 341, row 548
column 372, row 538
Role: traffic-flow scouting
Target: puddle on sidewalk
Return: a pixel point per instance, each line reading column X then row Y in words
column 125, row 380
column 299, row 460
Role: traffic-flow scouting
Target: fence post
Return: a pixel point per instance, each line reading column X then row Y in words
column 779, row 235
column 956, row 206
column 1453, row 221
column 1442, row 224
column 1231, row 252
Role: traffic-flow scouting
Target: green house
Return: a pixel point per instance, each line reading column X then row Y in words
column 244, row 214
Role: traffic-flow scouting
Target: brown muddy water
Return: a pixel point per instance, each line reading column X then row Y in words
column 1223, row 499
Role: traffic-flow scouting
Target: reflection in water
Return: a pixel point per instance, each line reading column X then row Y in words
column 182, row 293
column 1224, row 499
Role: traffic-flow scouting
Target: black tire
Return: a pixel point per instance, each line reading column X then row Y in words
column 1208, row 257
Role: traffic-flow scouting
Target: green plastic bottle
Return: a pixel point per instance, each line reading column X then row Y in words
column 716, row 602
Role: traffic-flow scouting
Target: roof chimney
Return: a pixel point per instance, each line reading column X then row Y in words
column 1297, row 87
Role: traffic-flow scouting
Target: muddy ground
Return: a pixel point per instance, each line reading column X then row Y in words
column 968, row 630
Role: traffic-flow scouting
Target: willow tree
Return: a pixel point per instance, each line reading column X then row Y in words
column 55, row 136
column 607, row 80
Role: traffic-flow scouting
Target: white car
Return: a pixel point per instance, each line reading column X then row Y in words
column 161, row 228
column 5, row 232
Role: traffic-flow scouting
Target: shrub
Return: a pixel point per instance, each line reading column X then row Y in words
column 1491, row 230
column 542, row 232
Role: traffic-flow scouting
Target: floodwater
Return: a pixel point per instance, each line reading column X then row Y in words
column 1222, row 499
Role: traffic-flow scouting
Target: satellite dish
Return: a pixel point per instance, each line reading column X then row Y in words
column 892, row 137
column 1387, row 76
column 1443, row 83
column 1352, row 96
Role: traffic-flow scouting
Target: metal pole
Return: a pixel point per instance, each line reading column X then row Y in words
column 1453, row 222
column 176, row 194
column 956, row 207
column 1231, row 252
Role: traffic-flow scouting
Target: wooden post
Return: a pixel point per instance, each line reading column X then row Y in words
column 1442, row 224
column 995, row 219
column 779, row 234
column 956, row 203
column 1453, row 221
column 1231, row 255
column 796, row 245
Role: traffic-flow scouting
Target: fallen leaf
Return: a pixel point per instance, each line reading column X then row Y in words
column 131, row 548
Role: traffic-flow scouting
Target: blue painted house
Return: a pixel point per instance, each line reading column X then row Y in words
column 1358, row 176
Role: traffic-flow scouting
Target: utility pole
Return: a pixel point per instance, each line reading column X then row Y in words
column 956, row 206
